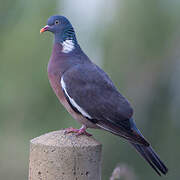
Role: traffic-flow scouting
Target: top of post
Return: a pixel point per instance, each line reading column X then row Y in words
column 60, row 139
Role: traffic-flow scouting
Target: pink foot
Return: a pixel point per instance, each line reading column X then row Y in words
column 78, row 132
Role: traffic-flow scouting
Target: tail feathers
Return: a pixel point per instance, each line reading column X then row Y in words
column 151, row 157
column 132, row 135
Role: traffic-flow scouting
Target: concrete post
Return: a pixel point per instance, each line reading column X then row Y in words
column 55, row 156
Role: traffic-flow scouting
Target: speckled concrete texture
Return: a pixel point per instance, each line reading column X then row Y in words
column 55, row 156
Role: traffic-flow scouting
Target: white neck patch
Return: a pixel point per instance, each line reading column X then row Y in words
column 68, row 46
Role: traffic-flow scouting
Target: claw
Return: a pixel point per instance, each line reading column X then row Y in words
column 70, row 130
column 77, row 132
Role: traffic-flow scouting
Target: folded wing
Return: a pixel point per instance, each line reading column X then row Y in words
column 91, row 93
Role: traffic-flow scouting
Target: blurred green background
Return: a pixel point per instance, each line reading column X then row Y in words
column 136, row 42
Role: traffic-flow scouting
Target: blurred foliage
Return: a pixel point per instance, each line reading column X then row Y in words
column 140, row 49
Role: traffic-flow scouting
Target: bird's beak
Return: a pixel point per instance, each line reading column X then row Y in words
column 45, row 28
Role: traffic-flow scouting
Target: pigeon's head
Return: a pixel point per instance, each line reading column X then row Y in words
column 60, row 27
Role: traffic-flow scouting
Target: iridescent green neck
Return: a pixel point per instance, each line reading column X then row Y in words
column 67, row 34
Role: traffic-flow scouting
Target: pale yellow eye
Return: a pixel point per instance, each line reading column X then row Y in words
column 56, row 22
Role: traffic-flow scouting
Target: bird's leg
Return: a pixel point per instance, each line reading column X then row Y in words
column 82, row 130
column 78, row 132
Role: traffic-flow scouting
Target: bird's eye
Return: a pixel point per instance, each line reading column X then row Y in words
column 56, row 22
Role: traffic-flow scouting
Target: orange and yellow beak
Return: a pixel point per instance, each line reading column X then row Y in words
column 45, row 28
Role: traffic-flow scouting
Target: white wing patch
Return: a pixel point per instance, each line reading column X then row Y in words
column 68, row 46
column 81, row 110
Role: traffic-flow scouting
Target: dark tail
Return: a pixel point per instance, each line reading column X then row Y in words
column 148, row 153
column 151, row 157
